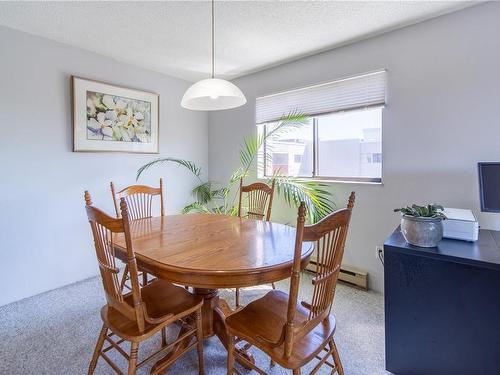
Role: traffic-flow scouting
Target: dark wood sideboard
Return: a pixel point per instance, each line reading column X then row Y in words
column 442, row 306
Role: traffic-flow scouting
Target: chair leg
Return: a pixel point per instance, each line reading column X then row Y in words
column 199, row 337
column 237, row 297
column 97, row 350
column 163, row 337
column 124, row 277
column 230, row 354
column 296, row 371
column 336, row 357
column 132, row 362
column 144, row 278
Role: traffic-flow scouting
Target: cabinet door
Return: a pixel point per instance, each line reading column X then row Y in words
column 441, row 317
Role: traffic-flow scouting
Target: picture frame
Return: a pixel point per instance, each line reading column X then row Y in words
column 111, row 118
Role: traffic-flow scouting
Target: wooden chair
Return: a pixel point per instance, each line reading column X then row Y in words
column 143, row 312
column 293, row 333
column 139, row 200
column 259, row 196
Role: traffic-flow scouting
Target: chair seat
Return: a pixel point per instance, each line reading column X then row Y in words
column 266, row 317
column 161, row 298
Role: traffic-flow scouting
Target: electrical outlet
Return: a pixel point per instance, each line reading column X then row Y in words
column 378, row 250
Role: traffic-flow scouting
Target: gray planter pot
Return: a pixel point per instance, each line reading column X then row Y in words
column 421, row 231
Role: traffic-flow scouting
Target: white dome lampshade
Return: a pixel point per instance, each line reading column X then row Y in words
column 213, row 94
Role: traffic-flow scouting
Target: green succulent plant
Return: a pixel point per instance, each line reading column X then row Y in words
column 431, row 211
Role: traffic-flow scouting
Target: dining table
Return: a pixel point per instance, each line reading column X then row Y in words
column 210, row 252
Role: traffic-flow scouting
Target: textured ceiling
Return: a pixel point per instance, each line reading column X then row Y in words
column 173, row 37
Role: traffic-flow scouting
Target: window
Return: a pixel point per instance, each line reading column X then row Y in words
column 341, row 141
column 290, row 153
column 377, row 157
column 347, row 143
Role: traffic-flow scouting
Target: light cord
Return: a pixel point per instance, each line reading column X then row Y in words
column 213, row 39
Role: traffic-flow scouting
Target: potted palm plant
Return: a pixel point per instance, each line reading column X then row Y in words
column 210, row 197
column 422, row 225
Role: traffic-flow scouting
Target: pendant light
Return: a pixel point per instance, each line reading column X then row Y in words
column 213, row 94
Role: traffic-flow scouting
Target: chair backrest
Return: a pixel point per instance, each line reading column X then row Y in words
column 329, row 236
column 139, row 200
column 259, row 196
column 104, row 229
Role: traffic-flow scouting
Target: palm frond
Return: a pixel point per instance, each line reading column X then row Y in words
column 220, row 193
column 189, row 165
column 233, row 211
column 203, row 192
column 249, row 150
column 252, row 144
column 317, row 199
column 196, row 207
column 237, row 174
column 290, row 121
column 219, row 210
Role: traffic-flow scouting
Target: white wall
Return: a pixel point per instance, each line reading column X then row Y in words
column 45, row 238
column 441, row 119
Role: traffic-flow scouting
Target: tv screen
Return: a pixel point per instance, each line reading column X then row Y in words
column 489, row 186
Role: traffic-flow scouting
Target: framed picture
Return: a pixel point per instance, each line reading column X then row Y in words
column 112, row 118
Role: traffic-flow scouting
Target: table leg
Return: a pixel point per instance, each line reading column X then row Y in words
column 210, row 303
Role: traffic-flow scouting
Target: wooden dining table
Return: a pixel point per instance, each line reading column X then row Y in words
column 211, row 252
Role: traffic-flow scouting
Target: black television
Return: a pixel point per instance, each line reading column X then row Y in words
column 489, row 186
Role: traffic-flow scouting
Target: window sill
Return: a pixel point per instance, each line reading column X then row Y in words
column 329, row 181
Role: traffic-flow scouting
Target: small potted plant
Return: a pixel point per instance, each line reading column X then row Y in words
column 422, row 225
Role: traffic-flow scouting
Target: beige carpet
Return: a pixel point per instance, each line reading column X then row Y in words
column 55, row 332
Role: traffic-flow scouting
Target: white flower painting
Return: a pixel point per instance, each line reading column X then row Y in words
column 113, row 118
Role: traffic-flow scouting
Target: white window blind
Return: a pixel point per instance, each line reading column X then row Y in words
column 363, row 91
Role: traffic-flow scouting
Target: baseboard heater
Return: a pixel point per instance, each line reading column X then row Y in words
column 348, row 275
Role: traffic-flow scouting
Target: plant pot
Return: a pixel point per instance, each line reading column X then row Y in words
column 422, row 231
